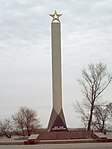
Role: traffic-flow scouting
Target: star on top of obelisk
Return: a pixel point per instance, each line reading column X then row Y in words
column 55, row 16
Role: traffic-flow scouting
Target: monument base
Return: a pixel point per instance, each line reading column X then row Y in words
column 63, row 135
column 57, row 121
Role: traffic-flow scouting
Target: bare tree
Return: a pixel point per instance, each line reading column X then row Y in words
column 5, row 127
column 102, row 115
column 95, row 80
column 26, row 120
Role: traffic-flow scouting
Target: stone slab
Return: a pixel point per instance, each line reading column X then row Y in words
column 100, row 135
column 33, row 137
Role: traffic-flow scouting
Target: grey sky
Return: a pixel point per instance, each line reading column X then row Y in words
column 25, row 52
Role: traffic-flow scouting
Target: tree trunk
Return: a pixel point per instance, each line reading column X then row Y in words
column 23, row 133
column 90, row 119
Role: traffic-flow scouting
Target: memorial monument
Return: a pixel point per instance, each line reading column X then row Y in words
column 57, row 120
column 57, row 129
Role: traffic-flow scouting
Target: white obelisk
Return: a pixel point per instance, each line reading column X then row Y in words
column 57, row 120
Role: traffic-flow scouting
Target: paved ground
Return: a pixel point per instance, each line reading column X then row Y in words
column 60, row 146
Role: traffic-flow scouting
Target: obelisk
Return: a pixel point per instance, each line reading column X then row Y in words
column 57, row 120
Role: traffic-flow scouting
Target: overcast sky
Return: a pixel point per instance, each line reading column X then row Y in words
column 25, row 52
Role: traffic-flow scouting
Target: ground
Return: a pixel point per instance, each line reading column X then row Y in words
column 61, row 146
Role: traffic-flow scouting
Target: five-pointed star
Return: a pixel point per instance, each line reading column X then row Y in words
column 55, row 16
